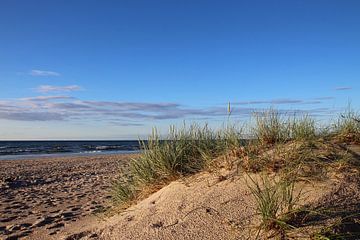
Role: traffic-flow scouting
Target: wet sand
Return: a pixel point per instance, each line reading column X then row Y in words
column 45, row 195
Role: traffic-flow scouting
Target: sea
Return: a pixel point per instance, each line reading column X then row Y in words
column 34, row 149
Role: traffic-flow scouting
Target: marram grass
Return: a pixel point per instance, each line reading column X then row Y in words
column 190, row 149
column 302, row 128
column 347, row 126
column 183, row 151
column 275, row 198
column 271, row 127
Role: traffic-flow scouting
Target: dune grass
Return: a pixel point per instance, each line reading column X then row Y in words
column 275, row 200
column 271, row 127
column 122, row 190
column 347, row 126
column 278, row 143
column 290, row 149
column 183, row 151
column 303, row 128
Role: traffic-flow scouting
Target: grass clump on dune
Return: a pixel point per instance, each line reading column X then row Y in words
column 279, row 144
column 123, row 190
column 303, row 128
column 347, row 127
column 275, row 200
column 270, row 127
column 282, row 152
column 182, row 152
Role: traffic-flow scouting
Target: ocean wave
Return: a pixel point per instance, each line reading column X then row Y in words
column 53, row 147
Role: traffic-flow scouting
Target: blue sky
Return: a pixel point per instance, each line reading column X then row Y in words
column 114, row 69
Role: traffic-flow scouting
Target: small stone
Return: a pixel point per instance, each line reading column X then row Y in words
column 158, row 224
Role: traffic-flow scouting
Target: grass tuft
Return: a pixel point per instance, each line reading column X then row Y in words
column 182, row 152
column 347, row 127
column 275, row 200
column 279, row 143
column 303, row 128
column 270, row 127
column 123, row 191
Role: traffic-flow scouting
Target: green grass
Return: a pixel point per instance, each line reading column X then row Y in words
column 294, row 148
column 279, row 143
column 303, row 128
column 275, row 199
column 122, row 191
column 271, row 127
column 183, row 151
column 347, row 127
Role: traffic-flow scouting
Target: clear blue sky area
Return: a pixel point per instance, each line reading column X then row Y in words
column 113, row 69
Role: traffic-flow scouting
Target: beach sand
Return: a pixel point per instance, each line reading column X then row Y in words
column 39, row 198
column 59, row 199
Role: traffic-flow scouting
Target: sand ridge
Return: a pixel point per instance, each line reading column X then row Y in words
column 203, row 207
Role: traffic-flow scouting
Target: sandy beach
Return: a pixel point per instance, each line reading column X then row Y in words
column 65, row 198
column 41, row 197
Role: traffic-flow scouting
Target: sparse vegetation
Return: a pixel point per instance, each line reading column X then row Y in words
column 275, row 199
column 310, row 158
column 271, row 127
column 122, row 190
column 292, row 147
column 347, row 127
column 303, row 128
column 183, row 151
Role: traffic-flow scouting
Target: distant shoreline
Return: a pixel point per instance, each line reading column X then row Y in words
column 36, row 149
column 60, row 155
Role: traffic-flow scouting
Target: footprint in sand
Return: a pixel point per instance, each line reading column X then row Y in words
column 43, row 221
column 57, row 225
column 8, row 219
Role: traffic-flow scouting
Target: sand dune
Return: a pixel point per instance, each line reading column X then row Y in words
column 203, row 209
column 220, row 206
column 57, row 199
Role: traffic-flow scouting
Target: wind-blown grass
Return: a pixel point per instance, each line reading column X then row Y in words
column 279, row 143
column 303, row 128
column 182, row 152
column 122, row 191
column 347, row 127
column 275, row 199
column 270, row 127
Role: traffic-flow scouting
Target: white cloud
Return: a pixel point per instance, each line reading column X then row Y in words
column 42, row 108
column 42, row 73
column 343, row 88
column 280, row 101
column 50, row 88
column 47, row 98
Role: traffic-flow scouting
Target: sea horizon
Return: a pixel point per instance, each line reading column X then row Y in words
column 21, row 149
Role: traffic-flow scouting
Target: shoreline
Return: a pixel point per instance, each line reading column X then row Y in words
column 65, row 155
column 40, row 197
